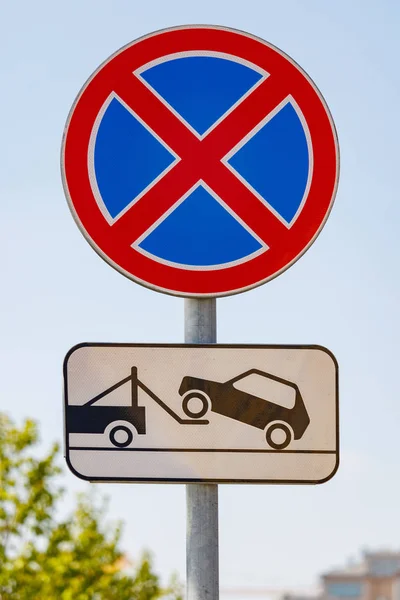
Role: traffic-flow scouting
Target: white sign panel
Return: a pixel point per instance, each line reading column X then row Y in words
column 201, row 413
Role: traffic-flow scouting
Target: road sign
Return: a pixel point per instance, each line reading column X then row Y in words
column 200, row 161
column 186, row 413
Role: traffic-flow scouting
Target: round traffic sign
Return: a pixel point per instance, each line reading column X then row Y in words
column 200, row 161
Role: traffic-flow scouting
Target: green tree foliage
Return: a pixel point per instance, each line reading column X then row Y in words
column 44, row 558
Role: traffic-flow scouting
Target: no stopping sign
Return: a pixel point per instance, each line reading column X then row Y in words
column 200, row 161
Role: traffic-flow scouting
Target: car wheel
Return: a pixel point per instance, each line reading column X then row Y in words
column 278, row 436
column 195, row 404
column 121, row 436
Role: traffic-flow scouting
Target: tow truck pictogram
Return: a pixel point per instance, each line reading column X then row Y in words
column 108, row 419
column 282, row 420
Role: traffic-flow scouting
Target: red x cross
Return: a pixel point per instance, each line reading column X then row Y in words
column 200, row 160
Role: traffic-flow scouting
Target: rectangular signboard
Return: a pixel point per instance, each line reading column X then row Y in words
column 201, row 413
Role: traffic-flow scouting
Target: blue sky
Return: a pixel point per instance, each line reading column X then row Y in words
column 343, row 293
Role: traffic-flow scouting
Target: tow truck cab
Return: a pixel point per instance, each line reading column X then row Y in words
column 92, row 418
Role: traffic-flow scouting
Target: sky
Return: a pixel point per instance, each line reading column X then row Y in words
column 343, row 293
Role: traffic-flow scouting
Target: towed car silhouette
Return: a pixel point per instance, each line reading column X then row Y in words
column 256, row 398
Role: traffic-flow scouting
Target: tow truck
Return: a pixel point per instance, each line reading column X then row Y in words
column 119, row 422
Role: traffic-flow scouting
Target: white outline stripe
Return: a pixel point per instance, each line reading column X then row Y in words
column 288, row 100
column 200, row 183
column 264, row 75
column 91, row 169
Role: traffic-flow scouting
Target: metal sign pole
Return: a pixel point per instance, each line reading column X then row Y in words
column 202, row 579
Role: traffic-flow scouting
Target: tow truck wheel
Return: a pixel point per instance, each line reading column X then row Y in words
column 278, row 436
column 195, row 404
column 121, row 436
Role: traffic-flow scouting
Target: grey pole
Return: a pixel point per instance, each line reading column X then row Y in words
column 202, row 579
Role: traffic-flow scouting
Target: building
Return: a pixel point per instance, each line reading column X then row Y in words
column 377, row 577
